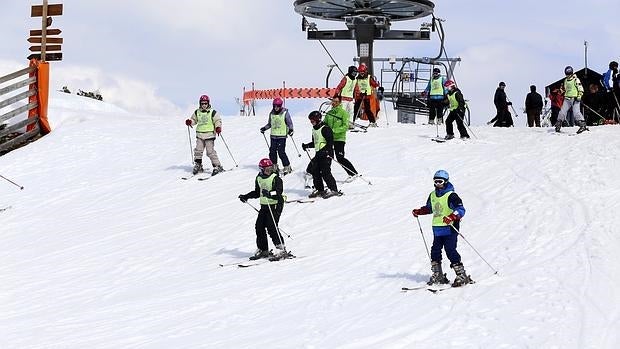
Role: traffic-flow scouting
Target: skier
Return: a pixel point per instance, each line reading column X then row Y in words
column 572, row 100
column 365, row 85
column 457, row 111
column 503, row 117
column 320, row 166
column 338, row 120
column 447, row 209
column 281, row 125
column 436, row 95
column 268, row 187
column 208, row 126
column 346, row 89
column 608, row 82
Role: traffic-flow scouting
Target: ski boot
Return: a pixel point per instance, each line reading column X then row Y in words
column 431, row 121
column 461, row 276
column 216, row 170
column 260, row 254
column 373, row 124
column 438, row 276
column 286, row 170
column 558, row 125
column 448, row 137
column 351, row 178
column 316, row 193
column 582, row 127
column 275, row 169
column 329, row 193
column 280, row 253
column 197, row 166
column 439, row 121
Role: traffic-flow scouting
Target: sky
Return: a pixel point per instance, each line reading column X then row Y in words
column 158, row 57
column 106, row 247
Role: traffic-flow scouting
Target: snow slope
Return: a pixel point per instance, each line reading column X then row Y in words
column 107, row 248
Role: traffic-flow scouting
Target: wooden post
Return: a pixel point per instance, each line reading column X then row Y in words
column 43, row 30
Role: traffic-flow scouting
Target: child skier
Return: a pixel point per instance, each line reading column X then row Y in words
column 281, row 126
column 208, row 126
column 447, row 209
column 268, row 187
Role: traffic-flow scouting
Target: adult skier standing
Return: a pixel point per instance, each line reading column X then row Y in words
column 208, row 126
column 436, row 95
column 346, row 90
column 365, row 86
column 268, row 188
column 573, row 91
column 281, row 126
column 447, row 209
column 338, row 120
column 320, row 166
column 503, row 117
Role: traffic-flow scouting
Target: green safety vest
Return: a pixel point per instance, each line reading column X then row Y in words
column 266, row 183
column 437, row 87
column 364, row 85
column 440, row 208
column 349, row 87
column 278, row 123
column 453, row 102
column 572, row 87
column 204, row 121
column 319, row 140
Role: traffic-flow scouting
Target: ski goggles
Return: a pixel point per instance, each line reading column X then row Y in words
column 439, row 181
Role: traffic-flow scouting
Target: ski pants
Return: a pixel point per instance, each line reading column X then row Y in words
column 574, row 105
column 278, row 148
column 555, row 111
column 533, row 117
column 367, row 110
column 265, row 225
column 320, row 169
column 447, row 242
column 208, row 144
column 456, row 115
column 346, row 164
column 435, row 107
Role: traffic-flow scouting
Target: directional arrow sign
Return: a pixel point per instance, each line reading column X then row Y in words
column 47, row 48
column 52, row 10
column 54, row 56
column 37, row 40
column 47, row 32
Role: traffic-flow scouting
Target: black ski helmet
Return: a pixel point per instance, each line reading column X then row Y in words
column 352, row 69
column 315, row 115
column 436, row 71
column 613, row 65
column 502, row 84
column 568, row 70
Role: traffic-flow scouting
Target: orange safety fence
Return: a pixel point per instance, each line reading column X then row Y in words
column 288, row 93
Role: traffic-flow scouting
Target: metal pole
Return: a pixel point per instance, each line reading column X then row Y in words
column 473, row 248
column 10, row 181
column 423, row 238
column 295, row 144
column 191, row 147
column 231, row 156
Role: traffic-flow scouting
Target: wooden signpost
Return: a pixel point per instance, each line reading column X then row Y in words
column 45, row 11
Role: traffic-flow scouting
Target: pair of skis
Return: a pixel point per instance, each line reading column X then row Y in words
column 434, row 288
column 248, row 264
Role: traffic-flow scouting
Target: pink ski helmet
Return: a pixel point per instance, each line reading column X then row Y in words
column 265, row 163
column 277, row 102
column 204, row 98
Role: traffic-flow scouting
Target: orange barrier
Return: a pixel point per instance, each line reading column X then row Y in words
column 41, row 97
column 288, row 93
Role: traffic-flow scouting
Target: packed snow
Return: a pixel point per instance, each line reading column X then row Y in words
column 106, row 247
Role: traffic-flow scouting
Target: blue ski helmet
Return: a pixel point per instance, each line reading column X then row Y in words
column 442, row 174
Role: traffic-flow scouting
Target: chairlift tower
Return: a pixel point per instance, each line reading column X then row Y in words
column 366, row 20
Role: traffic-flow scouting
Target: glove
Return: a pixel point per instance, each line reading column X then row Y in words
column 218, row 130
column 243, row 198
column 450, row 218
column 420, row 211
column 290, row 133
column 262, row 130
column 509, row 103
column 381, row 89
column 188, row 122
column 304, row 146
column 265, row 193
column 578, row 99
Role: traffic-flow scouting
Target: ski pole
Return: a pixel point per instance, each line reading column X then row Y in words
column 473, row 248
column 280, row 229
column 386, row 113
column 231, row 156
column 10, row 181
column 273, row 218
column 295, row 144
column 349, row 170
column 191, row 150
column 308, row 153
column 423, row 238
column 265, row 137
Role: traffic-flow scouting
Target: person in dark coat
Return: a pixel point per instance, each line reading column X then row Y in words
column 533, row 107
column 503, row 117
